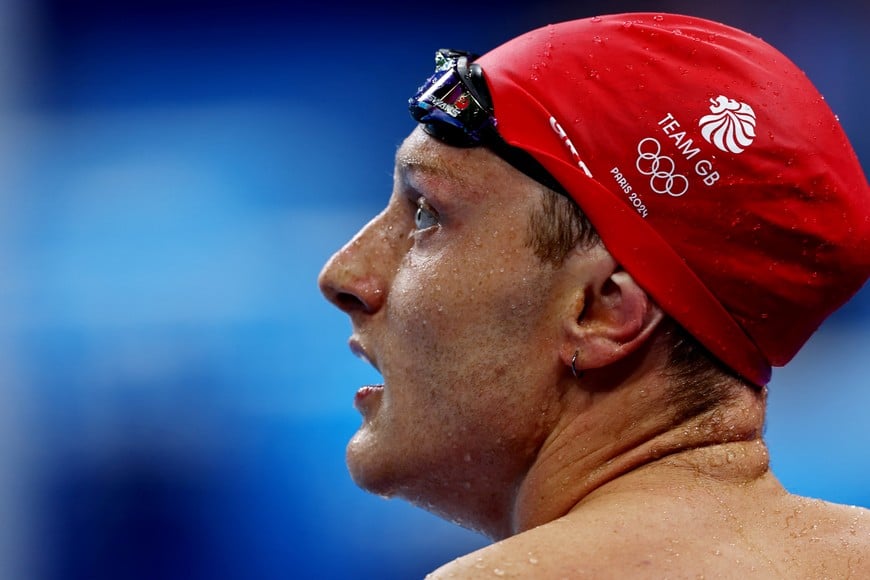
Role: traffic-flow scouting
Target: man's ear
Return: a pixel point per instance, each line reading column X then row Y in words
column 612, row 315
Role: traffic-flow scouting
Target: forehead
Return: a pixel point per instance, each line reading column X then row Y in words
column 477, row 171
column 422, row 154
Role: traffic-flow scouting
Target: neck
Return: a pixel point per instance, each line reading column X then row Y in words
column 621, row 440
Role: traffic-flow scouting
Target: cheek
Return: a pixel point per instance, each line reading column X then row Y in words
column 471, row 353
column 469, row 292
column 468, row 323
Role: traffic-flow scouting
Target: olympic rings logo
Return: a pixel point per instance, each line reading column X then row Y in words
column 660, row 168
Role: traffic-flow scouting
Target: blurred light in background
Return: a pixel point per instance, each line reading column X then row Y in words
column 176, row 396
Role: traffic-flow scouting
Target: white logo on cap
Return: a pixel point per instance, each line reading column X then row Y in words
column 661, row 169
column 730, row 127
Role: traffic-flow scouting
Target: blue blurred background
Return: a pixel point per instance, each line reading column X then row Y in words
column 176, row 396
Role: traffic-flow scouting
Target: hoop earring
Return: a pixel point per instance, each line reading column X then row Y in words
column 574, row 365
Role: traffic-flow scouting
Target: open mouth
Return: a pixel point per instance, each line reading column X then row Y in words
column 366, row 393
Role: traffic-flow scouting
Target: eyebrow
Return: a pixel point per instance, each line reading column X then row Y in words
column 427, row 164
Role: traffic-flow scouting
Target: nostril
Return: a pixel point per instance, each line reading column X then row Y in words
column 349, row 302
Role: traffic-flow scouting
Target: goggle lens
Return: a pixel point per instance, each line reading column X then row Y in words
column 449, row 106
column 454, row 106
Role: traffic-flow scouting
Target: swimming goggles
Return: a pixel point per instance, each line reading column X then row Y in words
column 455, row 107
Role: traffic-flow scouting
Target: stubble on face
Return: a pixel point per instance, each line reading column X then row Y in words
column 465, row 340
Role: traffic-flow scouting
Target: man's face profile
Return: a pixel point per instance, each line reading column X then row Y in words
column 450, row 303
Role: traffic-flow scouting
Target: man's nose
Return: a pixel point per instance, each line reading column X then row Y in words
column 356, row 277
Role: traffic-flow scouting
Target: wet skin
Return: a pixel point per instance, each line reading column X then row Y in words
column 480, row 420
column 454, row 308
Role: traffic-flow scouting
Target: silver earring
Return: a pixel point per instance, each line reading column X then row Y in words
column 574, row 365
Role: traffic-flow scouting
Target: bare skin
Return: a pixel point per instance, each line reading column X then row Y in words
column 711, row 511
column 481, row 420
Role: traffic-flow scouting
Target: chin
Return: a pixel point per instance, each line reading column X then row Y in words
column 368, row 467
column 390, row 473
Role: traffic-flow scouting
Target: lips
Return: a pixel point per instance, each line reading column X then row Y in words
column 359, row 350
column 368, row 394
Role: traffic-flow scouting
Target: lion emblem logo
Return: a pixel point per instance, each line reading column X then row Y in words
column 730, row 126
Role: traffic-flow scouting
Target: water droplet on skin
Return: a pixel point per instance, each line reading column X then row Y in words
column 627, row 24
column 532, row 559
column 658, row 17
column 498, row 572
column 597, row 40
column 479, row 564
column 678, row 32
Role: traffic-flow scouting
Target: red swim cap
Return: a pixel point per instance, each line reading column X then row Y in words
column 709, row 164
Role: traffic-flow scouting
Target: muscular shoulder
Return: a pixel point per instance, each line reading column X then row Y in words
column 592, row 545
column 799, row 538
column 538, row 553
column 822, row 539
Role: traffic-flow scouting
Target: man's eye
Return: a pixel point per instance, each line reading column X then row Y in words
column 425, row 216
